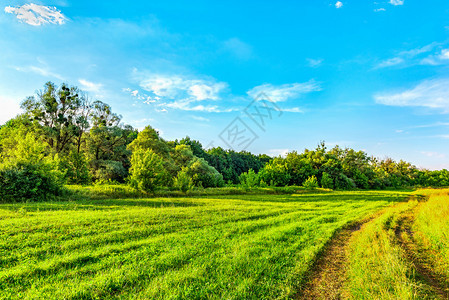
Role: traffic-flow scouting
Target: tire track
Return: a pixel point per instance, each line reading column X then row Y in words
column 327, row 275
column 421, row 264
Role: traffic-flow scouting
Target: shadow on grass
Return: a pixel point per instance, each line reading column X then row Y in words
column 112, row 204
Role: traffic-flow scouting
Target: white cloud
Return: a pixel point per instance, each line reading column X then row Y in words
column 338, row 4
column 188, row 105
column 314, row 62
column 429, row 93
column 180, row 87
column 379, row 9
column 292, row 110
column 90, row 86
column 200, row 119
column 37, row 15
column 279, row 93
column 43, row 71
column 444, row 54
column 433, row 154
column 396, row 2
column 278, row 152
column 418, row 56
column 390, row 62
column 203, row 91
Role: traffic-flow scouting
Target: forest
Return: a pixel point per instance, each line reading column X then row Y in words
column 63, row 137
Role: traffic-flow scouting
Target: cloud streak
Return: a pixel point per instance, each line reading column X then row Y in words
column 397, row 2
column 284, row 92
column 37, row 15
column 429, row 93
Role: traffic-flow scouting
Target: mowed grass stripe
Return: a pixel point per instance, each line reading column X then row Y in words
column 32, row 252
column 231, row 248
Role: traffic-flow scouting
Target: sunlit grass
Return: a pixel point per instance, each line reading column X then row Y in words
column 432, row 231
column 377, row 266
column 232, row 247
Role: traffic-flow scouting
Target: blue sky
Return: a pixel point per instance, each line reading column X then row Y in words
column 371, row 75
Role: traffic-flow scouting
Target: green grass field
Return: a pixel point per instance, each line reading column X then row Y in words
column 232, row 247
column 403, row 254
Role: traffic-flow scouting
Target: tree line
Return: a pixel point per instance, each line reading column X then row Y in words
column 62, row 137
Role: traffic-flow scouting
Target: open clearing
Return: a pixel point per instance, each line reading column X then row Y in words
column 234, row 247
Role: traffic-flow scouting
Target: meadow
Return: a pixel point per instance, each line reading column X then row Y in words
column 255, row 246
column 403, row 254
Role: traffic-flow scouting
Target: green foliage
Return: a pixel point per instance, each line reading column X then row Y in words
column 204, row 175
column 147, row 171
column 58, row 112
column 249, row 179
column 108, row 170
column 326, row 181
column 86, row 142
column 183, row 181
column 311, row 183
column 26, row 182
column 27, row 173
column 275, row 173
column 74, row 167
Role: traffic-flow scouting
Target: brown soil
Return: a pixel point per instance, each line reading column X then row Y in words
column 419, row 258
column 328, row 273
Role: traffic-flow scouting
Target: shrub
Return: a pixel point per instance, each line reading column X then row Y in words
column 275, row 173
column 203, row 175
column 342, row 182
column 28, row 182
column 74, row 168
column 311, row 183
column 147, row 171
column 249, row 179
column 109, row 170
column 326, row 181
column 183, row 182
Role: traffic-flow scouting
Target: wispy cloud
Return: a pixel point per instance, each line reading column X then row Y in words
column 429, row 93
column 284, row 92
column 177, row 86
column 397, row 2
column 42, row 71
column 202, row 119
column 379, row 9
column 90, row 86
column 293, row 110
column 430, row 54
column 339, row 4
column 390, row 62
column 37, row 15
column 433, row 154
column 278, row 152
column 314, row 63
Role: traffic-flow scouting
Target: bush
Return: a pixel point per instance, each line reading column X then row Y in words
column 203, row 175
column 109, row 170
column 311, row 183
column 74, row 168
column 183, row 182
column 342, row 182
column 147, row 171
column 326, row 181
column 275, row 173
column 28, row 182
column 249, row 179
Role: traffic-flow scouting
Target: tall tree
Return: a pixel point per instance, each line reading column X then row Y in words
column 56, row 110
